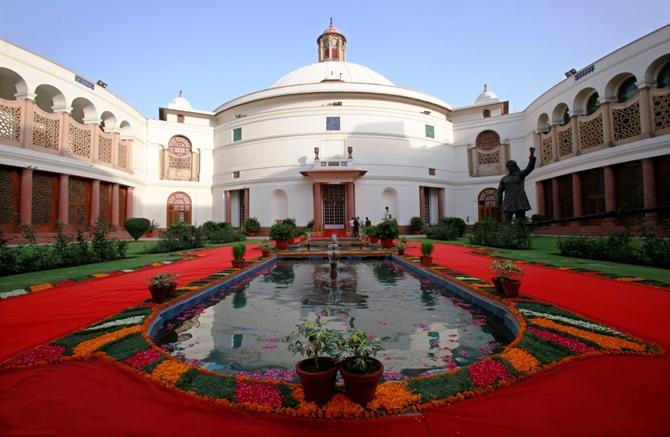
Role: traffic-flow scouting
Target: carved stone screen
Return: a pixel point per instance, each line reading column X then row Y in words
column 79, row 212
column 9, row 193
column 44, row 199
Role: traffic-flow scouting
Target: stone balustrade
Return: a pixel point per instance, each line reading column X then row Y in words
column 24, row 124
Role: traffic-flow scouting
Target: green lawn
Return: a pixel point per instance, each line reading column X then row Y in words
column 137, row 257
column 545, row 250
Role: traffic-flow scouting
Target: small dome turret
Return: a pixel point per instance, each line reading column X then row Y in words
column 181, row 103
column 486, row 97
column 332, row 45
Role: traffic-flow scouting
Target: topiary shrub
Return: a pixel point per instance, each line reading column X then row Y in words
column 252, row 225
column 457, row 223
column 387, row 230
column 443, row 231
column 492, row 233
column 221, row 232
column 282, row 231
column 179, row 236
column 137, row 226
column 416, row 224
column 427, row 248
column 239, row 250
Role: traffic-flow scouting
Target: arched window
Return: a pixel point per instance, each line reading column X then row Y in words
column 592, row 104
column 561, row 114
column 627, row 89
column 179, row 146
column 488, row 140
column 663, row 78
column 178, row 208
column 487, row 113
column 487, row 204
column 543, row 123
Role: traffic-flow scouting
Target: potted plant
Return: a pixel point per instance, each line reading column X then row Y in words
column 506, row 279
column 387, row 231
column 401, row 248
column 161, row 285
column 239, row 250
column 265, row 248
column 416, row 225
column 426, row 252
column 252, row 226
column 360, row 369
column 371, row 232
column 321, row 345
column 282, row 233
column 152, row 229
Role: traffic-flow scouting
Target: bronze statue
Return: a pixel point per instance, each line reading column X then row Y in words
column 515, row 202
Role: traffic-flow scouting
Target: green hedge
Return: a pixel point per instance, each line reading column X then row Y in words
column 63, row 253
column 492, row 233
column 651, row 249
column 221, row 232
column 179, row 236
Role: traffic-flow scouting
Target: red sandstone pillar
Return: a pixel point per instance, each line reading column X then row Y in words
column 95, row 201
column 247, row 213
column 422, row 201
column 576, row 197
column 115, row 206
column 63, row 199
column 610, row 193
column 26, row 206
column 350, row 207
column 129, row 202
column 649, row 189
column 440, row 204
column 556, row 205
column 228, row 199
column 539, row 193
column 318, row 208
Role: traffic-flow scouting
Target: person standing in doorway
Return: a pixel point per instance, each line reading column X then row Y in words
column 367, row 222
column 356, row 226
column 387, row 214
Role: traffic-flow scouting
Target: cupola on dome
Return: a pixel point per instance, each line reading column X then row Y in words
column 180, row 103
column 486, row 97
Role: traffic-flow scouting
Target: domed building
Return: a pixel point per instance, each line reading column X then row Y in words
column 332, row 140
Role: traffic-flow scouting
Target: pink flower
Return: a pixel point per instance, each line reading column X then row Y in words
column 144, row 358
column 41, row 354
column 488, row 372
column 258, row 393
column 571, row 344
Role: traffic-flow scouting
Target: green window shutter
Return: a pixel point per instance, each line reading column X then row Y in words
column 430, row 131
column 237, row 134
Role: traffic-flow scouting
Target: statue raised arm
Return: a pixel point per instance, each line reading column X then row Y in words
column 512, row 197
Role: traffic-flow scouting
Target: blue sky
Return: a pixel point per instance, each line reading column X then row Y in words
column 216, row 50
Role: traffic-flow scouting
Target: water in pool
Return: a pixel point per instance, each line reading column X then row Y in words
column 242, row 328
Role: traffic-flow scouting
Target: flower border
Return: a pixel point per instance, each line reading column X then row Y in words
column 549, row 336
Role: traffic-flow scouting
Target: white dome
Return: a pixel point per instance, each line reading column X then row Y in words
column 486, row 97
column 332, row 71
column 180, row 103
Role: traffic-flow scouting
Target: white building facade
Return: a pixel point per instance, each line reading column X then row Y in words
column 330, row 141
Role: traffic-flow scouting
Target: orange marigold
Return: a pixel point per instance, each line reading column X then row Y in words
column 169, row 371
column 604, row 341
column 521, row 360
column 86, row 348
column 40, row 287
column 393, row 396
column 341, row 406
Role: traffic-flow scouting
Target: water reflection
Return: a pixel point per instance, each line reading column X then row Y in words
column 244, row 327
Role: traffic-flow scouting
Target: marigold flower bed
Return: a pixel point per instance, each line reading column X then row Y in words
column 549, row 336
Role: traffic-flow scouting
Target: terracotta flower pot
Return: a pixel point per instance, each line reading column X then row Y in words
column 238, row 263
column 426, row 261
column 387, row 243
column 318, row 386
column 251, row 234
column 361, row 387
column 374, row 240
column 401, row 251
column 160, row 293
column 511, row 287
column 497, row 282
column 265, row 253
column 281, row 245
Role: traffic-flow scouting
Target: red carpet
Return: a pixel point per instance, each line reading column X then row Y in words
column 614, row 395
column 41, row 317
